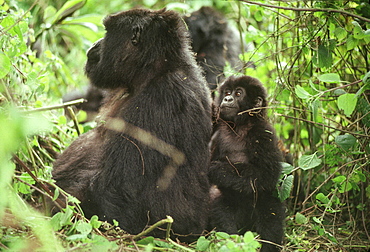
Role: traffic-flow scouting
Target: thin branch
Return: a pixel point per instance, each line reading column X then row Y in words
column 42, row 185
column 322, row 125
column 329, row 10
column 67, row 104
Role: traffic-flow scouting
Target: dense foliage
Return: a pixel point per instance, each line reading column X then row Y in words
column 313, row 56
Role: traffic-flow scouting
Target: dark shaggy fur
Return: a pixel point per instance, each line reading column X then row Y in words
column 215, row 42
column 149, row 157
column 245, row 163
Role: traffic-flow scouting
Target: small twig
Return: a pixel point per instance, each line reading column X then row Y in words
column 322, row 125
column 67, row 104
column 74, row 119
column 154, row 226
column 138, row 148
column 42, row 185
column 236, row 170
column 309, row 9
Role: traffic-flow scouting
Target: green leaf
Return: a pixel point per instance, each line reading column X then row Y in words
column 358, row 33
column 301, row 219
column 202, row 244
column 366, row 86
column 307, row 162
column 340, row 33
column 84, row 228
column 286, row 187
column 5, row 65
column 302, row 93
column 345, row 141
column 68, row 9
column 94, row 222
column 342, row 183
column 146, row 240
column 222, row 235
column 287, row 168
column 324, row 56
column 351, row 43
column 258, row 15
column 329, row 78
column 347, row 102
column 322, row 198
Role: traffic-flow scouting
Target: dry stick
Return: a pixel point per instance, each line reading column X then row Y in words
column 67, row 104
column 42, row 185
column 309, row 9
column 322, row 125
column 74, row 119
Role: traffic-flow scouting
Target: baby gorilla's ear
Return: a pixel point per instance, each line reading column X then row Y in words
column 258, row 102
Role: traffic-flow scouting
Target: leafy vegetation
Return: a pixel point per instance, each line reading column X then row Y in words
column 313, row 57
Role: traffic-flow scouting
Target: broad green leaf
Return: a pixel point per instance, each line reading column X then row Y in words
column 307, row 162
column 258, row 15
column 146, row 240
column 302, row 93
column 286, row 187
column 94, row 222
column 84, row 228
column 324, row 56
column 329, row 78
column 315, row 108
column 287, row 168
column 300, row 218
column 347, row 102
column 68, row 9
column 339, row 179
column 222, row 235
column 93, row 19
column 5, row 65
column 366, row 86
column 345, row 141
column 358, row 33
column 351, row 43
column 202, row 244
column 322, row 198
column 340, row 33
column 342, row 183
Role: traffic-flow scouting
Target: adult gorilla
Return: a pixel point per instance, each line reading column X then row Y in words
column 148, row 157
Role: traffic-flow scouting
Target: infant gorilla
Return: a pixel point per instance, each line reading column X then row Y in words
column 245, row 163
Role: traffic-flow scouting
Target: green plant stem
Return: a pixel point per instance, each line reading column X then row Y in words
column 154, row 226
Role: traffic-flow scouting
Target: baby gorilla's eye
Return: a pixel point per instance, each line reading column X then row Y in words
column 227, row 92
column 238, row 93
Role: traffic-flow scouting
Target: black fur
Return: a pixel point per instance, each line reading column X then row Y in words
column 149, row 156
column 245, row 163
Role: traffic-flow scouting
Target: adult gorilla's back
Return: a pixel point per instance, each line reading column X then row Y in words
column 148, row 157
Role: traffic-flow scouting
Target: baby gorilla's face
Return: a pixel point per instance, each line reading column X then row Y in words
column 230, row 104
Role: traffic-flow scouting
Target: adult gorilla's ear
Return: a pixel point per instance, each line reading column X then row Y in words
column 136, row 32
